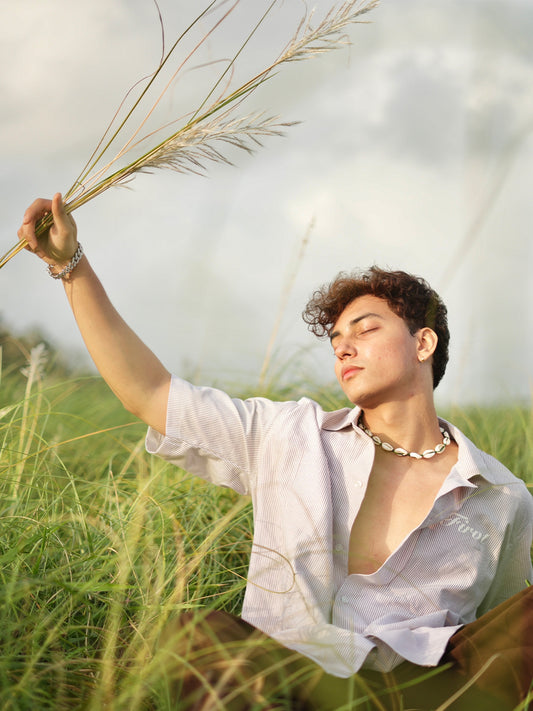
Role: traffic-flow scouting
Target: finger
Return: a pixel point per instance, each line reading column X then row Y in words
column 32, row 246
column 27, row 232
column 62, row 219
column 37, row 209
column 22, row 238
column 59, row 212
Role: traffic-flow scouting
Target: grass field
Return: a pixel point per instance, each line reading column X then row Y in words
column 101, row 544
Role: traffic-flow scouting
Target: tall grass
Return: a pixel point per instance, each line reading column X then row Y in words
column 101, row 545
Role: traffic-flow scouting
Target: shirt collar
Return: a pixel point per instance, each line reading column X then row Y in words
column 470, row 462
column 340, row 419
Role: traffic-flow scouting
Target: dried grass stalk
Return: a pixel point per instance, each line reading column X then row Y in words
column 212, row 127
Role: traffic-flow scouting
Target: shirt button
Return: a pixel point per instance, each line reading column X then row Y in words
column 358, row 482
column 344, row 599
column 339, row 547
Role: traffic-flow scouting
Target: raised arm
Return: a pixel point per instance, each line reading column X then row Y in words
column 128, row 366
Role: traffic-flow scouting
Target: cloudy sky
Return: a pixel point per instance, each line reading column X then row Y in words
column 414, row 152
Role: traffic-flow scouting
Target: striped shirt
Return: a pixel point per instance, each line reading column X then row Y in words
column 306, row 471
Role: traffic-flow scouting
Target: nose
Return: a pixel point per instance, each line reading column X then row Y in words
column 344, row 348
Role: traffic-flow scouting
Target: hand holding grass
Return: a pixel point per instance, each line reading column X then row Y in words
column 57, row 244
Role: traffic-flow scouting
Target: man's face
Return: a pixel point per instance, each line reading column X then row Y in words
column 376, row 357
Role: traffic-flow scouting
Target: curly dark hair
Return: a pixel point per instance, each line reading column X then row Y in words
column 408, row 296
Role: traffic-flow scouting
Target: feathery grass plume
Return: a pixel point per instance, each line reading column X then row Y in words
column 212, row 126
column 34, row 374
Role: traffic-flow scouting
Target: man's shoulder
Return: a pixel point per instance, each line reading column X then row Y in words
column 304, row 416
column 331, row 420
column 306, row 410
column 303, row 410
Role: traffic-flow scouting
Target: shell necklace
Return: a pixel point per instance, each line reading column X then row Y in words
column 401, row 452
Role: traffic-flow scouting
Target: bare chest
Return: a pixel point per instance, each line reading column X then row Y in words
column 395, row 503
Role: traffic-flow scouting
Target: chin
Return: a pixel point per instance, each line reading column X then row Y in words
column 357, row 399
column 365, row 400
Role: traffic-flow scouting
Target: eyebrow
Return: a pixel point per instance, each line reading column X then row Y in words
column 353, row 322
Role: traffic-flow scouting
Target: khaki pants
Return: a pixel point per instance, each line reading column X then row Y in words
column 218, row 661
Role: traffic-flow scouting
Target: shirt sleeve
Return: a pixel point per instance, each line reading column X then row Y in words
column 514, row 571
column 213, row 435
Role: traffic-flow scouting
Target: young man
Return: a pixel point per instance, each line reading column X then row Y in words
column 381, row 533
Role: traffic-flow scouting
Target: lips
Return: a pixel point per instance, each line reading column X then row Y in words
column 350, row 370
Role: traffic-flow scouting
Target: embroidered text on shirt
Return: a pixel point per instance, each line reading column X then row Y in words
column 463, row 527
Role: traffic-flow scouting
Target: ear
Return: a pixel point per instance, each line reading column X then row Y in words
column 427, row 341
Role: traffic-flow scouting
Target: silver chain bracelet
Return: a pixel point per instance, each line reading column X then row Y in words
column 70, row 266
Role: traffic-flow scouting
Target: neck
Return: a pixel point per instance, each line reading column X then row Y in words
column 411, row 425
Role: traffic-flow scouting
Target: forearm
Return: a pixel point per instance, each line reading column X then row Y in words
column 130, row 369
column 128, row 366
